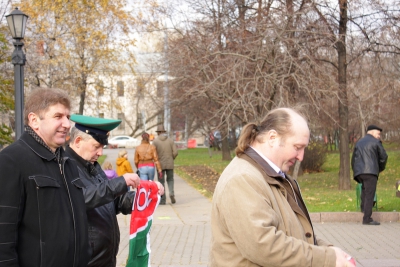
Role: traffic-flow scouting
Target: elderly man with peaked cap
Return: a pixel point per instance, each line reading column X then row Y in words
column 368, row 160
column 88, row 137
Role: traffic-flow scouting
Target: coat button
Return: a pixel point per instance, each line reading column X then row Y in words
column 308, row 235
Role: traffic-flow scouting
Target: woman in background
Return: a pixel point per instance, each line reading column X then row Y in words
column 146, row 159
column 109, row 171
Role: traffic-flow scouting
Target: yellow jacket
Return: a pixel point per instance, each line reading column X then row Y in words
column 123, row 166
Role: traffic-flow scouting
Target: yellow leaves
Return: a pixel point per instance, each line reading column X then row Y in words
column 310, row 198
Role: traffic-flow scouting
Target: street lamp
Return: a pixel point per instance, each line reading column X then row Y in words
column 17, row 22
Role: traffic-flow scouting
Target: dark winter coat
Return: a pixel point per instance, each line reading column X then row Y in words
column 369, row 157
column 42, row 210
column 104, row 200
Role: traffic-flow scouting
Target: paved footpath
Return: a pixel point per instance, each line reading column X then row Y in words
column 180, row 234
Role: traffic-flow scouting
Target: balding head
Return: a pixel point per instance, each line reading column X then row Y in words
column 282, row 137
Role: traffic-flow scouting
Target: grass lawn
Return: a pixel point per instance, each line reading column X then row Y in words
column 320, row 190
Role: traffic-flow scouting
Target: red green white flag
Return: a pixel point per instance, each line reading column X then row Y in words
column 144, row 205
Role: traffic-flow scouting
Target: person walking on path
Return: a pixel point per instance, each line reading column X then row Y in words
column 123, row 164
column 42, row 209
column 368, row 160
column 109, row 171
column 88, row 137
column 167, row 152
column 258, row 215
column 146, row 159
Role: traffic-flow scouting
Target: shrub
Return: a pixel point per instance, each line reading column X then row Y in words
column 314, row 157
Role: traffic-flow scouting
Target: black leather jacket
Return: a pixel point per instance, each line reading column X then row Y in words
column 369, row 157
column 104, row 200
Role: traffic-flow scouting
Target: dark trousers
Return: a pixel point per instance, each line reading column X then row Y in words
column 368, row 189
column 168, row 174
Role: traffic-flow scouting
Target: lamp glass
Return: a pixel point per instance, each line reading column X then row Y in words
column 17, row 24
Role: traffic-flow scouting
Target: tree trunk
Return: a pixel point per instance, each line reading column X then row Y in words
column 296, row 169
column 82, row 90
column 226, row 152
column 82, row 97
column 344, row 172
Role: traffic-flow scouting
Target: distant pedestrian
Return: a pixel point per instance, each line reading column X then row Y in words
column 151, row 137
column 167, row 152
column 109, row 170
column 368, row 160
column 146, row 159
column 123, row 164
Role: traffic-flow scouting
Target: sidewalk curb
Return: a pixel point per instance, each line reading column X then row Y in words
column 321, row 217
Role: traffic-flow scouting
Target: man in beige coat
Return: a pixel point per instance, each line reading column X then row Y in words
column 167, row 152
column 258, row 215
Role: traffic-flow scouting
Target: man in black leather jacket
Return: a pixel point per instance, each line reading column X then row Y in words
column 86, row 145
column 368, row 160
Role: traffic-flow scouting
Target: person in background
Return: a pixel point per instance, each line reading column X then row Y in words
column 123, row 164
column 258, row 215
column 88, row 137
column 368, row 160
column 151, row 138
column 146, row 159
column 167, row 152
column 42, row 209
column 109, row 171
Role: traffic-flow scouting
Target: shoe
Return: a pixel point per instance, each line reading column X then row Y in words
column 372, row 223
column 173, row 199
column 162, row 203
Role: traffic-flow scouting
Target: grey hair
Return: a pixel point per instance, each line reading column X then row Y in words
column 75, row 133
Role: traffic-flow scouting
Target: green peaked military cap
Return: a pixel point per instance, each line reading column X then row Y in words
column 98, row 128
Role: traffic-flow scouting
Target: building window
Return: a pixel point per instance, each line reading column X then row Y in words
column 140, row 85
column 139, row 120
column 120, row 88
column 100, row 87
column 121, row 117
column 160, row 119
column 160, row 88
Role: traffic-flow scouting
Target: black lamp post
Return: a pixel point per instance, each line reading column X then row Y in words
column 17, row 22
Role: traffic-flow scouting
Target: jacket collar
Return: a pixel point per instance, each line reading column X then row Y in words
column 272, row 175
column 275, row 179
column 83, row 164
column 39, row 149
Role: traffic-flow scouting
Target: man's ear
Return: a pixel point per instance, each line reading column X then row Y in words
column 78, row 141
column 33, row 120
column 271, row 137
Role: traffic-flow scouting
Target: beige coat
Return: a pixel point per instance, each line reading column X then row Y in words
column 166, row 151
column 255, row 222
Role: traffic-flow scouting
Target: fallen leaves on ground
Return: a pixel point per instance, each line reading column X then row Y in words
column 203, row 175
